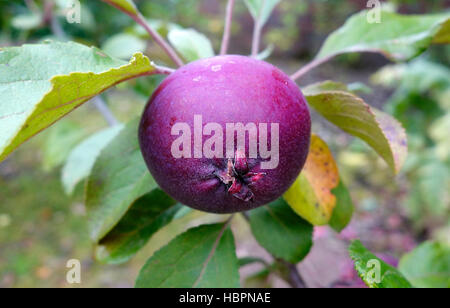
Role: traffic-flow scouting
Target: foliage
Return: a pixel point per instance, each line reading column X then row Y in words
column 201, row 257
column 420, row 102
column 281, row 232
column 311, row 195
column 191, row 44
column 365, row 265
column 47, row 90
column 398, row 37
column 119, row 177
column 350, row 113
column 137, row 226
column 427, row 266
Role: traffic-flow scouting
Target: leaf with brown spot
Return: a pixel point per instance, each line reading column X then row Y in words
column 350, row 113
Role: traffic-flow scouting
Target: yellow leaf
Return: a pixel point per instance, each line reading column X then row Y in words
column 311, row 195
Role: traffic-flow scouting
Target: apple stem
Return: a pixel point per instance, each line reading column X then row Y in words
column 257, row 31
column 227, row 29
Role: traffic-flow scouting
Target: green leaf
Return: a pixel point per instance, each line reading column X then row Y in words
column 359, row 87
column 266, row 53
column 258, row 280
column 281, row 232
column 343, row 211
column 27, row 21
column 184, row 211
column 251, row 260
column 443, row 36
column 124, row 5
column 61, row 139
column 311, row 195
column 389, row 277
column 433, row 182
column 39, row 84
column 438, row 132
column 119, row 177
column 427, row 266
column 145, row 217
column 350, row 113
column 261, row 9
column 191, row 44
column 201, row 257
column 123, row 45
column 82, row 158
column 398, row 37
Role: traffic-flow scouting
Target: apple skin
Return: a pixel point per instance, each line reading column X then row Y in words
column 225, row 89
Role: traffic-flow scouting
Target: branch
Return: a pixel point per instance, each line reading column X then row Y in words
column 257, row 31
column 159, row 39
column 289, row 273
column 164, row 70
column 305, row 69
column 153, row 34
column 227, row 29
column 295, row 278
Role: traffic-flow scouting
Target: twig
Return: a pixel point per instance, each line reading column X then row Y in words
column 159, row 39
column 57, row 29
column 101, row 106
column 227, row 29
column 257, row 31
column 288, row 272
column 164, row 70
column 310, row 66
column 106, row 112
column 154, row 34
column 295, row 278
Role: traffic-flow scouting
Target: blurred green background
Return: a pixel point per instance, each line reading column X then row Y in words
column 41, row 227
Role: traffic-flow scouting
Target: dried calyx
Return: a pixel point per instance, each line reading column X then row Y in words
column 238, row 178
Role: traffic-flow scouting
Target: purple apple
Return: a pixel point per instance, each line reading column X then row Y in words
column 226, row 134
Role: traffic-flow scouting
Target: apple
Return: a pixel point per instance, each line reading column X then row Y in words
column 226, row 134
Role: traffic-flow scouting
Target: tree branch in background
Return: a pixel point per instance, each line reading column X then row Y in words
column 257, row 31
column 295, row 279
column 101, row 106
column 305, row 69
column 106, row 112
column 227, row 29
column 290, row 273
column 140, row 19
